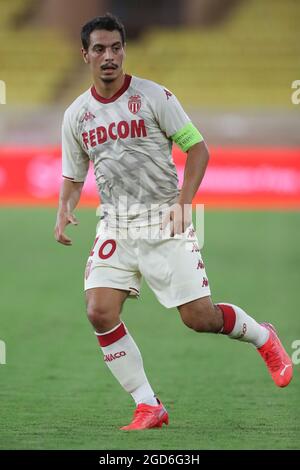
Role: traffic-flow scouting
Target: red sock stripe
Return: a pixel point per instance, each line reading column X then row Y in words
column 110, row 338
column 229, row 317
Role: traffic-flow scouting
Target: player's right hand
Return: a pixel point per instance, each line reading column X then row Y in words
column 63, row 219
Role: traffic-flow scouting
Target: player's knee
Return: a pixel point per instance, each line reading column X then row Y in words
column 101, row 316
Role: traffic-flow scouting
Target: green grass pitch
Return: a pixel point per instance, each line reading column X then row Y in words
column 56, row 392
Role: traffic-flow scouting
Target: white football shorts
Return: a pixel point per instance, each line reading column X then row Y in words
column 172, row 267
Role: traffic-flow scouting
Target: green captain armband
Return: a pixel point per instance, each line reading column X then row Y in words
column 187, row 137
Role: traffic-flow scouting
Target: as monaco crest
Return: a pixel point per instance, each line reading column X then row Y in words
column 134, row 104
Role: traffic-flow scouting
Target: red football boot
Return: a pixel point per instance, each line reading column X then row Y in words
column 276, row 358
column 147, row 417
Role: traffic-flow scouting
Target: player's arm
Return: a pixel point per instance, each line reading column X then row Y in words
column 196, row 163
column 195, row 166
column 68, row 199
column 189, row 140
column 178, row 127
column 75, row 165
column 180, row 216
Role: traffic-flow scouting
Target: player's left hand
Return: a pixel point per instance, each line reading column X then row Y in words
column 179, row 218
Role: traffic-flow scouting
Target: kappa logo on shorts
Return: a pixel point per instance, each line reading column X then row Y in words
column 134, row 104
column 112, row 357
column 191, row 233
column 205, row 282
column 195, row 248
column 200, row 264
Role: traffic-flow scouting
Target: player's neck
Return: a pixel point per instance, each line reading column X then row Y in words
column 109, row 89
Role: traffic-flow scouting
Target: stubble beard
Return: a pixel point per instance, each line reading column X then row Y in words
column 108, row 80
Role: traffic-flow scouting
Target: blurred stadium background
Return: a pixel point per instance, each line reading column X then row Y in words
column 232, row 63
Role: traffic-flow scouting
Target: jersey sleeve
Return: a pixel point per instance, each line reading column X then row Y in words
column 75, row 162
column 173, row 120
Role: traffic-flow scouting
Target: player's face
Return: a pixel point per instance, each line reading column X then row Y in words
column 105, row 55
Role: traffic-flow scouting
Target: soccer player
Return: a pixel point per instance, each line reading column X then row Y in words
column 126, row 126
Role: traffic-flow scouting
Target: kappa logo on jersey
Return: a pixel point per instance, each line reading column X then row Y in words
column 168, row 93
column 205, row 282
column 121, row 130
column 112, row 357
column 134, row 104
column 88, row 116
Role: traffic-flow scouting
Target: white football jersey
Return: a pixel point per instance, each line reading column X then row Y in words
column 128, row 139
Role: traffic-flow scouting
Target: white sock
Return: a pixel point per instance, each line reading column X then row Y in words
column 124, row 359
column 239, row 325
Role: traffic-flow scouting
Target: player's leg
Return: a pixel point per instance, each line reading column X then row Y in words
column 175, row 271
column 104, row 305
column 120, row 352
column 111, row 276
column 203, row 316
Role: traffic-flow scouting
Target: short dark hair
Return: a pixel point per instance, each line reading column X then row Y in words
column 108, row 22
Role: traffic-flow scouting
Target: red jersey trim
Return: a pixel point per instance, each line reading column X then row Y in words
column 117, row 95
